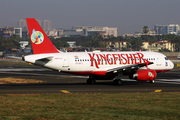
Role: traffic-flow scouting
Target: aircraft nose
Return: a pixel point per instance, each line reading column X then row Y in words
column 171, row 65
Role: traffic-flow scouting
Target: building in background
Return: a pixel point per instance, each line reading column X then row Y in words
column 156, row 46
column 18, row 32
column 118, row 45
column 111, row 31
column 47, row 25
column 40, row 22
column 166, row 29
column 127, row 35
column 72, row 44
column 76, row 31
column 6, row 32
column 72, row 33
column 90, row 30
column 23, row 44
column 22, row 23
column 101, row 32
column 153, row 46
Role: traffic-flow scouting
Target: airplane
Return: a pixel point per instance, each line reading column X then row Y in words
column 138, row 65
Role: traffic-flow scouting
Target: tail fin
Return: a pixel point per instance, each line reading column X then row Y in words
column 39, row 40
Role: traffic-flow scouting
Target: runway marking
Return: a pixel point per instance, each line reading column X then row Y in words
column 157, row 90
column 65, row 91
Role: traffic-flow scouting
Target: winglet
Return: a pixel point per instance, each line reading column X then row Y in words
column 39, row 40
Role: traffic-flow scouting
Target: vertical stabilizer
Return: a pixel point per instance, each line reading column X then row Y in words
column 39, row 40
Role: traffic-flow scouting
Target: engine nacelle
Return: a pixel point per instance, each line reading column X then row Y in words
column 144, row 75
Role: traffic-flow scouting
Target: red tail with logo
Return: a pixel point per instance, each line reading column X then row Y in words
column 39, row 40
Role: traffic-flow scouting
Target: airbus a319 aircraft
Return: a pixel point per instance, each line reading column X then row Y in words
column 138, row 65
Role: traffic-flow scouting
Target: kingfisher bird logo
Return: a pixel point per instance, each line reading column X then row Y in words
column 150, row 74
column 37, row 37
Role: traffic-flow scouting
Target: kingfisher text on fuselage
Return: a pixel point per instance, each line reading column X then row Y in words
column 115, row 59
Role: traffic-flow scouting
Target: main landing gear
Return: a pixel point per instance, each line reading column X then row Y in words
column 117, row 82
column 91, row 81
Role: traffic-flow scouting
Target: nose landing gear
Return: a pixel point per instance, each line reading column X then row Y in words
column 151, row 81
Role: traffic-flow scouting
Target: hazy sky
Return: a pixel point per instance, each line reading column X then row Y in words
column 129, row 16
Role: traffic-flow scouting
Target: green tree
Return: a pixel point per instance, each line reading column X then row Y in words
column 8, row 44
column 125, row 49
column 59, row 43
column 95, row 41
column 135, row 43
column 164, row 50
column 145, row 30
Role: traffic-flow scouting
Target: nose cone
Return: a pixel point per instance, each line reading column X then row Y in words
column 171, row 65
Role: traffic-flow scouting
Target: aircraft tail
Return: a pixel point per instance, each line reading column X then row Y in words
column 39, row 40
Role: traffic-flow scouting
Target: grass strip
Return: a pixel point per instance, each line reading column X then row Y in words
column 98, row 106
column 13, row 63
column 10, row 80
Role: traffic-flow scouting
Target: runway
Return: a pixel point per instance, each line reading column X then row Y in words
column 65, row 83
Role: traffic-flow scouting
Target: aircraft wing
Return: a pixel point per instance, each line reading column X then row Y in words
column 128, row 67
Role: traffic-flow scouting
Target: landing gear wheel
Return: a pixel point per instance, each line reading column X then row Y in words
column 91, row 81
column 117, row 82
column 152, row 81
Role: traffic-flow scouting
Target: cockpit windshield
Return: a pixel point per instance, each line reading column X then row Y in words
column 166, row 58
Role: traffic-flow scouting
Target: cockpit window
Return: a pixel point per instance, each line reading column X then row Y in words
column 166, row 58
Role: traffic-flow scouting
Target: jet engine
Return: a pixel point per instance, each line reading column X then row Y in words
column 144, row 75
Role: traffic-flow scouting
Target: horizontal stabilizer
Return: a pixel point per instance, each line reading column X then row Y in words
column 14, row 57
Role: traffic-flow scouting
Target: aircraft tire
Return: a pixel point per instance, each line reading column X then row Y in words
column 117, row 82
column 91, row 81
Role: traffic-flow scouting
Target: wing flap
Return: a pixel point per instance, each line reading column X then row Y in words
column 128, row 67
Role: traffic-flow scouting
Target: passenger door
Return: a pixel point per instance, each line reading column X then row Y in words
column 65, row 61
column 158, row 60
